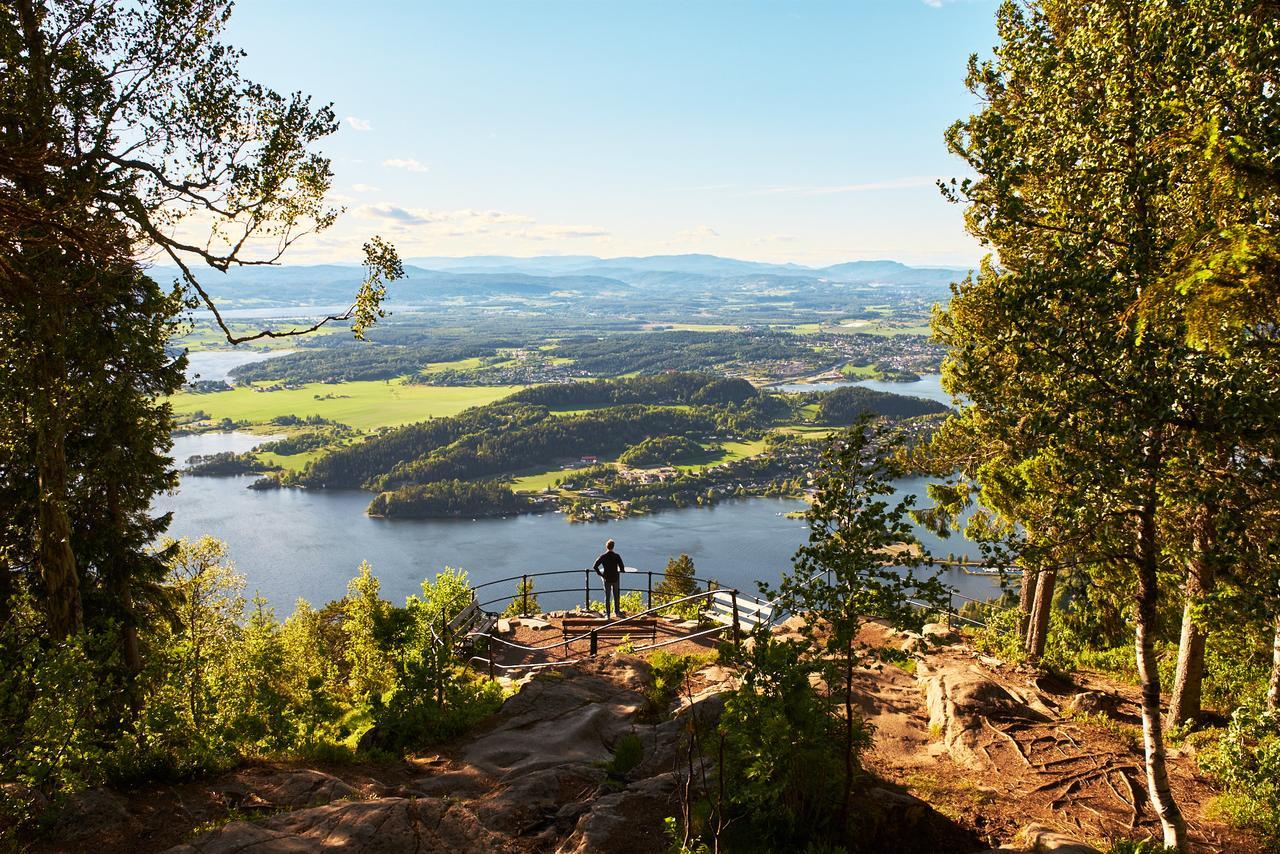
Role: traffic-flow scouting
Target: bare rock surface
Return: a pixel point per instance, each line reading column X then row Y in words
column 291, row 788
column 574, row 716
column 1038, row 839
column 963, row 700
column 369, row 827
column 94, row 813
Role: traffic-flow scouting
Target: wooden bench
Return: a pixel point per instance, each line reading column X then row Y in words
column 751, row 611
column 470, row 623
column 598, row 627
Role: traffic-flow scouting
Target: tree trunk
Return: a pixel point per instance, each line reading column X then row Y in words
column 849, row 767
column 55, row 560
column 1273, row 691
column 1038, row 627
column 1026, row 600
column 1175, row 829
column 1184, row 702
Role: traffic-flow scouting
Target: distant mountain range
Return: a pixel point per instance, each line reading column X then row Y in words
column 584, row 276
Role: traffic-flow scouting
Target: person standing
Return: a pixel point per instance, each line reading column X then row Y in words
column 609, row 567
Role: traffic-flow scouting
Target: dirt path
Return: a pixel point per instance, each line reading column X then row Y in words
column 997, row 748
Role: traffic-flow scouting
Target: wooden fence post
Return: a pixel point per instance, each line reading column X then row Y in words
column 594, row 646
column 524, row 591
column 649, row 600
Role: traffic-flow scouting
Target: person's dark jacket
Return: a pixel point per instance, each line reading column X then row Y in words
column 608, row 565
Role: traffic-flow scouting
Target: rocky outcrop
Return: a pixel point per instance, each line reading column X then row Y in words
column 1038, row 839
column 964, row 703
column 275, row 789
column 366, row 827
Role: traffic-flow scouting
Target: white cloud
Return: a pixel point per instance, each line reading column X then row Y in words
column 364, row 188
column 405, row 163
column 834, row 189
column 423, row 222
column 937, row 4
column 564, row 232
column 359, row 124
column 463, row 221
column 701, row 232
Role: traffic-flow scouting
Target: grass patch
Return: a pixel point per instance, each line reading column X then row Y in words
column 727, row 452
column 1127, row 733
column 365, row 405
column 460, row 365
column 538, row 480
column 953, row 797
column 862, row 372
column 291, row 462
column 808, row 430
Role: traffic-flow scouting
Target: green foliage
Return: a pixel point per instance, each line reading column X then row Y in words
column 369, row 665
column 447, row 498
column 679, row 580
column 845, row 406
column 854, row 567
column 792, row 752
column 628, row 752
column 1001, row 636
column 525, row 601
column 632, row 602
column 50, row 708
column 435, row 697
column 446, row 595
column 661, row 450
column 782, row 774
column 668, row 674
column 657, row 353
column 1246, row 761
column 1140, row 846
column 667, row 389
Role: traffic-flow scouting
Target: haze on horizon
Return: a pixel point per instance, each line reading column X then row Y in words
column 807, row 133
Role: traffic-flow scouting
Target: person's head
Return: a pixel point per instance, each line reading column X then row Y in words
column 608, row 546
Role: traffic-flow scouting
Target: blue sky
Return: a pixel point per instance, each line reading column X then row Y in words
column 779, row 131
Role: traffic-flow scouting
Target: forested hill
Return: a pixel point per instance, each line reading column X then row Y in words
column 525, row 430
column 674, row 388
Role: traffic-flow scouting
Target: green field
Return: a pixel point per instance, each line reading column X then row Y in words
column 543, row 480
column 459, row 365
column 865, row 372
column 364, row 405
column 727, row 452
column 293, row 462
column 809, row 431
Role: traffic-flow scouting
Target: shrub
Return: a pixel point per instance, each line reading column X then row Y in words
column 525, row 601
column 678, row 581
column 669, row 672
column 782, row 775
column 1246, row 761
column 627, row 754
column 632, row 602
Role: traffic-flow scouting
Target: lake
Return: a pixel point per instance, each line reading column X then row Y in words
column 929, row 386
column 308, row 543
column 216, row 365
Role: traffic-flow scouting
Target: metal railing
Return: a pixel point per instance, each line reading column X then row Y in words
column 711, row 586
